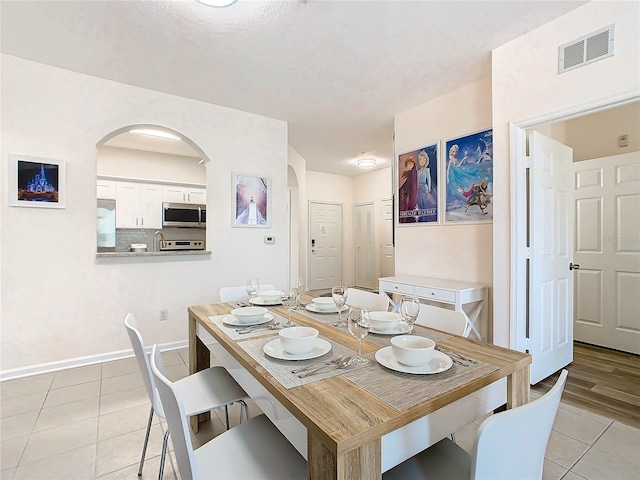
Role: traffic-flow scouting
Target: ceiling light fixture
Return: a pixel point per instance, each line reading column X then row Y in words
column 217, row 3
column 155, row 133
column 366, row 162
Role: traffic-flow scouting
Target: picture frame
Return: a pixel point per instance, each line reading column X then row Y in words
column 417, row 182
column 251, row 201
column 468, row 178
column 36, row 182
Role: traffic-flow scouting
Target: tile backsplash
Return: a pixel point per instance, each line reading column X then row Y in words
column 126, row 236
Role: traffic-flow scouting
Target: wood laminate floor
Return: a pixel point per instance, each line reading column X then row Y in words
column 602, row 381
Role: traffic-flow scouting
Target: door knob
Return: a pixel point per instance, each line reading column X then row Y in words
column 574, row 266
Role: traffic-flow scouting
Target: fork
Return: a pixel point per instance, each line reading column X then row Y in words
column 311, row 365
column 345, row 362
column 274, row 326
column 456, row 357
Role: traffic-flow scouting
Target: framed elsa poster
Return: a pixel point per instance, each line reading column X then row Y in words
column 468, row 178
column 417, row 192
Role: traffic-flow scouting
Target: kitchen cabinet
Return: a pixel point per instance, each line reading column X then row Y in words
column 180, row 194
column 106, row 189
column 138, row 205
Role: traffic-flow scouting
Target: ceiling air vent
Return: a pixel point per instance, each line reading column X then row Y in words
column 586, row 50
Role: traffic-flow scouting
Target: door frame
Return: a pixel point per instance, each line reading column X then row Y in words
column 518, row 197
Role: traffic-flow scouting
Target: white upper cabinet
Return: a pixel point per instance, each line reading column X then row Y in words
column 138, row 205
column 180, row 194
column 106, row 189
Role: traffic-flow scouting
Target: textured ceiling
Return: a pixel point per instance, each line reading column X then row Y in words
column 337, row 71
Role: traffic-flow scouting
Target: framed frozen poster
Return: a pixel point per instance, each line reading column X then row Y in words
column 468, row 179
column 251, row 201
column 417, row 192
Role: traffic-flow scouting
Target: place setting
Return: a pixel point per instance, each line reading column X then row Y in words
column 298, row 355
column 245, row 322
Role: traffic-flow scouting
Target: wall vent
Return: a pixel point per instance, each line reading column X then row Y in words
column 586, row 50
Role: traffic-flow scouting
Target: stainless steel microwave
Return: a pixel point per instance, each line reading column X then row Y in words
column 184, row 215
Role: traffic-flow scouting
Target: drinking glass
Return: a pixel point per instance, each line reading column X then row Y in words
column 289, row 298
column 409, row 309
column 339, row 295
column 252, row 287
column 358, row 322
column 297, row 285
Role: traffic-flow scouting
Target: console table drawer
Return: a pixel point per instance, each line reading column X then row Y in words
column 398, row 288
column 447, row 296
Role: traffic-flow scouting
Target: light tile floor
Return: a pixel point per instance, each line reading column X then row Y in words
column 89, row 423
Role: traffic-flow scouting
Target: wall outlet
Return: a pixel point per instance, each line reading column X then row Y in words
column 269, row 240
column 164, row 315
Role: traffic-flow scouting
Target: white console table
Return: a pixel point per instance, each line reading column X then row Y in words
column 452, row 292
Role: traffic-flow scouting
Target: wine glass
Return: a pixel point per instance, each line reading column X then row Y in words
column 297, row 285
column 339, row 295
column 289, row 298
column 358, row 322
column 409, row 309
column 252, row 287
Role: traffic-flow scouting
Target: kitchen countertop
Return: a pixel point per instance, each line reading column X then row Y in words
column 173, row 253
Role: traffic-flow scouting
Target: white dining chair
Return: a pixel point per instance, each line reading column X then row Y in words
column 443, row 319
column 239, row 294
column 509, row 445
column 203, row 391
column 252, row 450
column 371, row 300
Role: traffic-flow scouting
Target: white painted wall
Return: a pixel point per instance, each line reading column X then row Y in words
column 326, row 187
column 596, row 135
column 58, row 301
column 299, row 167
column 458, row 252
column 124, row 162
column 526, row 86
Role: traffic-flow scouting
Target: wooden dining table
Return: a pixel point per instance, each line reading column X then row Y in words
column 345, row 424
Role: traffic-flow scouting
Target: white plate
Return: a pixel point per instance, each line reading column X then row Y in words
column 399, row 329
column 438, row 363
column 312, row 308
column 274, row 349
column 262, row 303
column 231, row 320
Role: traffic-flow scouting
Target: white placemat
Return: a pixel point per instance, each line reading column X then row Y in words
column 281, row 369
column 232, row 330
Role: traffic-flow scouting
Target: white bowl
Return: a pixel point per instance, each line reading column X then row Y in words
column 412, row 350
column 298, row 340
column 249, row 314
column 324, row 303
column 381, row 321
column 270, row 295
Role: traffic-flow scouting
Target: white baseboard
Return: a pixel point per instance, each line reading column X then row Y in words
column 21, row 372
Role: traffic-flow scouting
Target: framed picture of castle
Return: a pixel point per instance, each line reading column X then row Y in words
column 468, row 178
column 36, row 182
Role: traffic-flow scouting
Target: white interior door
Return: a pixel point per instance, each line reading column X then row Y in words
column 325, row 249
column 551, row 251
column 607, row 200
column 365, row 257
column 387, row 252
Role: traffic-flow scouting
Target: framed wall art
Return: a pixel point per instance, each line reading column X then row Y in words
column 251, row 201
column 417, row 186
column 36, row 182
column 468, row 178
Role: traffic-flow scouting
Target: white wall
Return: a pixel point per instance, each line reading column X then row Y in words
column 301, row 219
column 526, row 86
column 58, row 301
column 326, row 187
column 124, row 162
column 459, row 252
column 596, row 135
